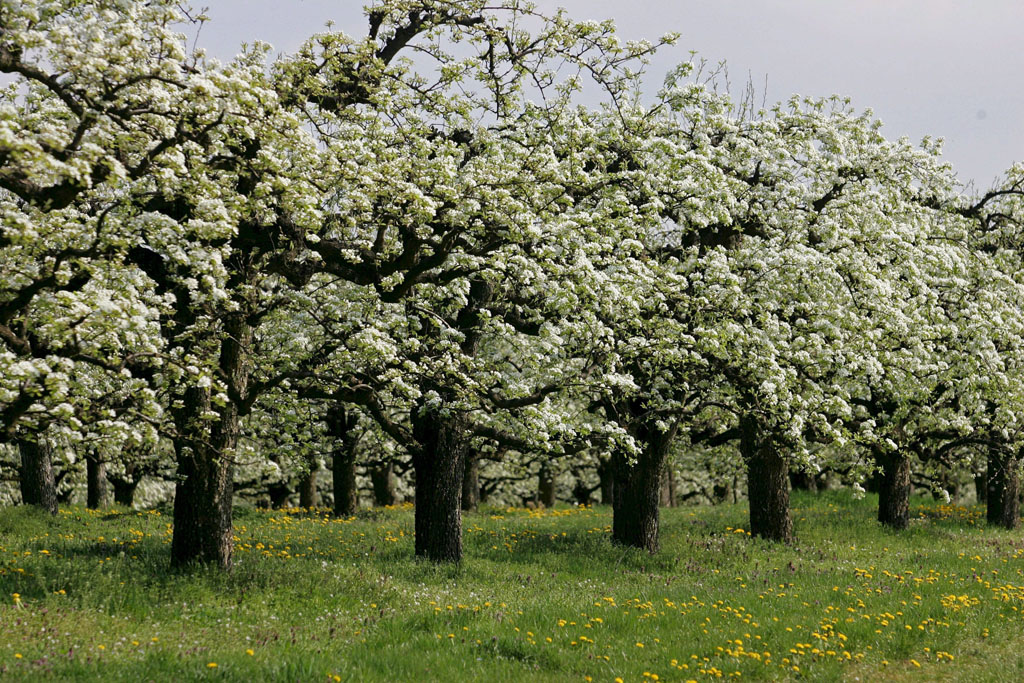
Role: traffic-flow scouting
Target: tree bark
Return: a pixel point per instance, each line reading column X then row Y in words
column 124, row 487
column 382, row 479
column 668, row 487
column 96, row 481
column 204, row 492
column 981, row 487
column 802, row 481
column 606, row 476
column 439, row 464
column 721, row 493
column 38, row 485
column 308, row 497
column 341, row 424
column 1003, row 490
column 894, row 489
column 546, row 486
column 635, row 512
column 767, row 483
column 471, row 482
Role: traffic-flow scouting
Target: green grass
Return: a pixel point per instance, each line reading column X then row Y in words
column 540, row 596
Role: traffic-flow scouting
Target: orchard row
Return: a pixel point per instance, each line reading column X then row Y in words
column 419, row 244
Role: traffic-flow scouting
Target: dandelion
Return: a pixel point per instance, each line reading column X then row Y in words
column 211, row 665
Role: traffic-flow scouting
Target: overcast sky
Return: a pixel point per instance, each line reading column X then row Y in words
column 946, row 68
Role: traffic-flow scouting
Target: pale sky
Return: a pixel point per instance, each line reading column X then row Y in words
column 946, row 68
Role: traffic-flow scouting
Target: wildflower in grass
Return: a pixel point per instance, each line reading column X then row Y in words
column 211, row 665
column 250, row 652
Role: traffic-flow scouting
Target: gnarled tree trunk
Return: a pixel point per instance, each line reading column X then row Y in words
column 38, row 485
column 635, row 512
column 439, row 463
column 204, row 492
column 767, row 483
column 893, row 489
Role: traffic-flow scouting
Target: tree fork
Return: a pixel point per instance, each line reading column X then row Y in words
column 205, row 489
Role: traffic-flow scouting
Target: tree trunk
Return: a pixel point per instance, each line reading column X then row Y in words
column 721, row 493
column 606, row 476
column 635, row 513
column 471, row 482
column 767, row 483
column 802, row 481
column 581, row 492
column 1003, row 490
column 894, row 489
column 38, row 485
column 382, row 479
column 308, row 497
column 279, row 492
column 346, row 491
column 205, row 487
column 546, row 486
column 439, row 464
column 341, row 424
column 203, row 492
column 96, row 481
column 981, row 487
column 442, row 437
column 125, row 486
column 668, row 487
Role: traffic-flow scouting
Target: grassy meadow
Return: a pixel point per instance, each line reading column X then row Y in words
column 542, row 595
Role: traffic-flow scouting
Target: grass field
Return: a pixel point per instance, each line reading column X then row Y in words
column 541, row 595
